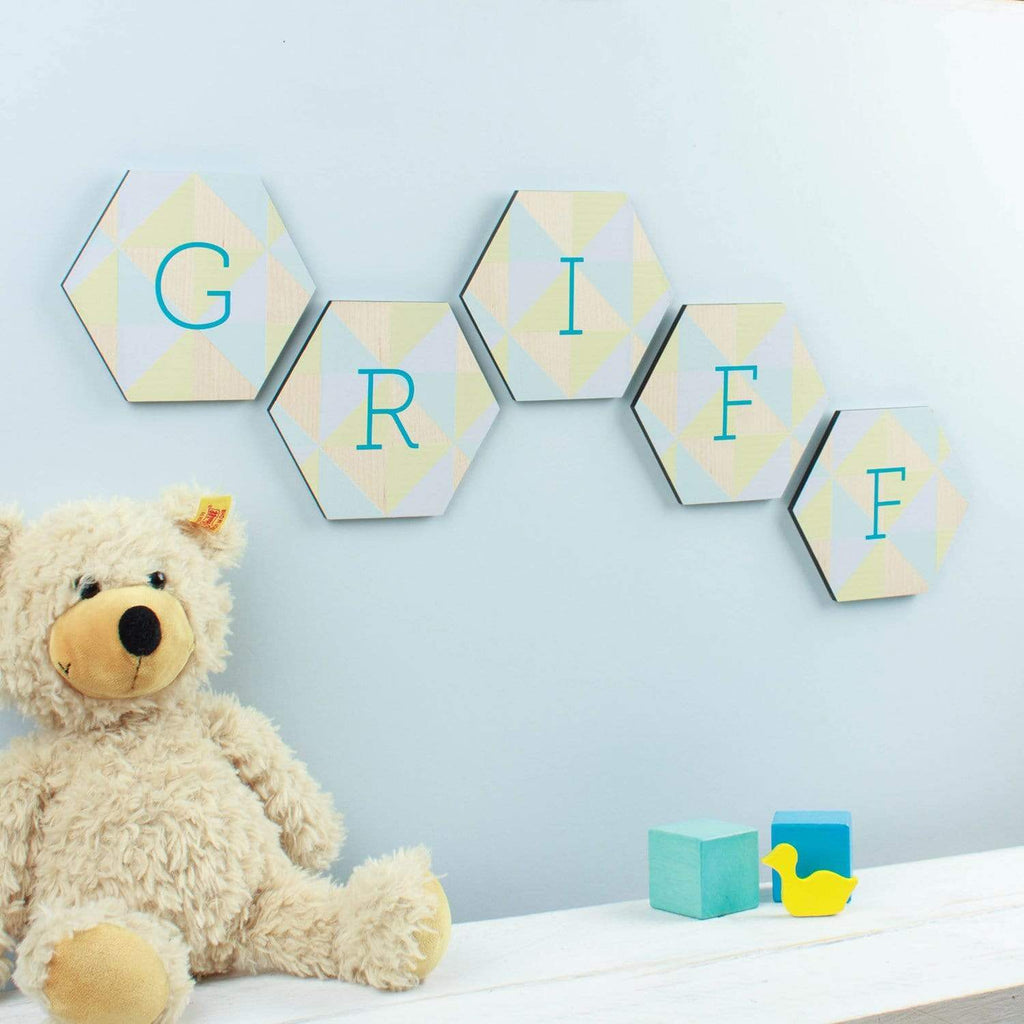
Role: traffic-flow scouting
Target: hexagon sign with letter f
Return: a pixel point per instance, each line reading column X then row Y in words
column 880, row 503
column 730, row 402
column 189, row 286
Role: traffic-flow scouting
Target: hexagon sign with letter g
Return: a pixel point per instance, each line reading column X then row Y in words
column 880, row 503
column 567, row 295
column 189, row 286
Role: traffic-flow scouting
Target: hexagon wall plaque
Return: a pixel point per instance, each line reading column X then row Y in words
column 730, row 402
column 384, row 409
column 567, row 294
column 189, row 286
column 880, row 503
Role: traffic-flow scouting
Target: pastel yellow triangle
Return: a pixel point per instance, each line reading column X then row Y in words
column 753, row 321
column 649, row 287
column 410, row 324
column 868, row 579
column 497, row 249
column 216, row 222
column 808, row 387
column 591, row 211
column 172, row 223
column 387, row 475
column 490, row 288
column 885, row 572
column 170, row 378
column 553, row 211
column 499, row 353
column 550, row 311
column 718, row 322
column 275, row 226
column 214, row 376
column 708, row 421
column 753, row 452
column 551, row 353
column 472, row 399
column 310, row 469
column 949, row 513
column 661, row 396
column 815, row 518
column 592, row 311
column 95, row 298
column 300, row 398
column 370, row 322
column 589, row 353
column 108, row 222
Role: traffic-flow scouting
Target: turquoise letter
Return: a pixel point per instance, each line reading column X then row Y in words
column 160, row 294
column 727, row 401
column 874, row 534
column 372, row 410
column 572, row 261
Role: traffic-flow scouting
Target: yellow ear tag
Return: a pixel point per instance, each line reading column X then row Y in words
column 213, row 512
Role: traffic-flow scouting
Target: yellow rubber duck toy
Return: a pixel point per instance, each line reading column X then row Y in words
column 820, row 894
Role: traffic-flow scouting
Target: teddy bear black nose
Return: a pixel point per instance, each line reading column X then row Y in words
column 139, row 630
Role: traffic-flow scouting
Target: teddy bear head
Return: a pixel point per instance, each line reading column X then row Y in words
column 112, row 610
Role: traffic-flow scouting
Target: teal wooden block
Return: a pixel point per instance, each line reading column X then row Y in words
column 703, row 868
column 822, row 841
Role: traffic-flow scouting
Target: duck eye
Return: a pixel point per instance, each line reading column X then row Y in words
column 90, row 588
column 157, row 580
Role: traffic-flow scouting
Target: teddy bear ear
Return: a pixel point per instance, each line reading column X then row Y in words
column 209, row 519
column 10, row 527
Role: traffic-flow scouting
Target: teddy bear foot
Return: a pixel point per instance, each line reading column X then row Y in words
column 433, row 939
column 106, row 975
column 101, row 963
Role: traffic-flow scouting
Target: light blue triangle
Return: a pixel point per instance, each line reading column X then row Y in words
column 693, row 482
column 528, row 382
column 527, row 240
column 246, row 197
column 615, row 283
column 298, row 441
column 339, row 497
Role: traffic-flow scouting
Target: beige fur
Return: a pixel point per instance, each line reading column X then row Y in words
column 180, row 816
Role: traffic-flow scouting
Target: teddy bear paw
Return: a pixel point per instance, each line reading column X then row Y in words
column 106, row 975
column 433, row 939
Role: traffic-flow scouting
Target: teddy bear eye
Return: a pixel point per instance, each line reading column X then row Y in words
column 157, row 580
column 89, row 588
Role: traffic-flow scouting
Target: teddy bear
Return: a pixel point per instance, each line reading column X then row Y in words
column 152, row 831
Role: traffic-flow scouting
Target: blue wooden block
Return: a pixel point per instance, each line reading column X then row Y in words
column 703, row 868
column 821, row 838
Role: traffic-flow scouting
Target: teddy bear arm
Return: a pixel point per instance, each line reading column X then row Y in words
column 312, row 831
column 23, row 787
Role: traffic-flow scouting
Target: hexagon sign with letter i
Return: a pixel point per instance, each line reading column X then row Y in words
column 189, row 286
column 567, row 294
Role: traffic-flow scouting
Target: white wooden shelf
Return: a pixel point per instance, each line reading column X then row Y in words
column 915, row 933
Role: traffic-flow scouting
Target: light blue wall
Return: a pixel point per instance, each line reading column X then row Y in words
column 568, row 657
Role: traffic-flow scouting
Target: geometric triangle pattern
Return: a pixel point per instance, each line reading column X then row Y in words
column 567, row 295
column 384, row 409
column 880, row 503
column 730, row 402
column 189, row 286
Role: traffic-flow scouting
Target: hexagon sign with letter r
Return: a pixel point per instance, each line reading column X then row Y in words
column 567, row 295
column 730, row 402
column 189, row 286
column 880, row 503
column 384, row 409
